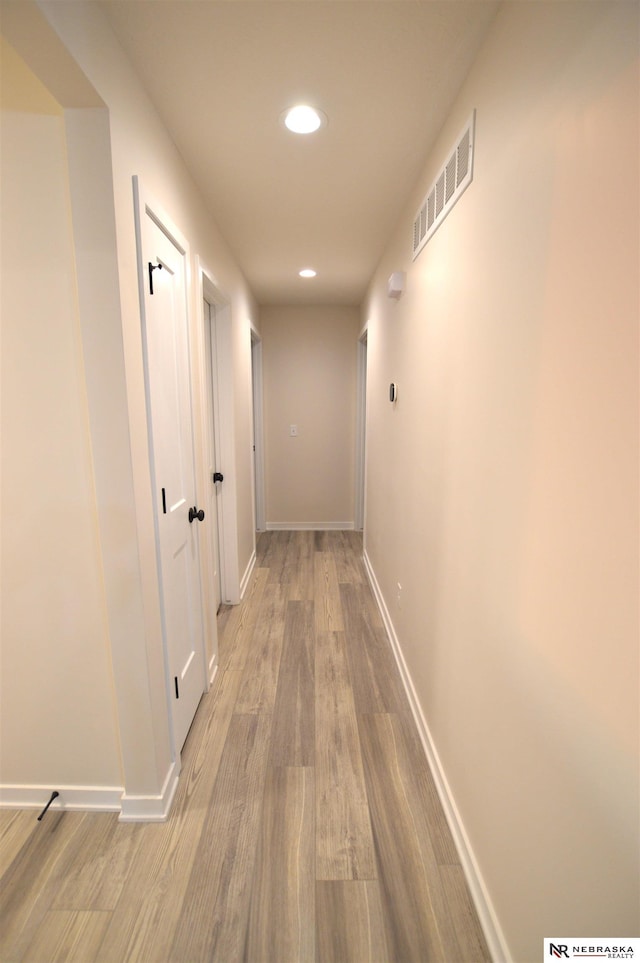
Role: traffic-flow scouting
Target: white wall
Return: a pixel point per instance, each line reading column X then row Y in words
column 309, row 358
column 503, row 485
column 58, row 720
column 73, row 47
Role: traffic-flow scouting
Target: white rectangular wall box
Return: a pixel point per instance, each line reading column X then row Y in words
column 396, row 284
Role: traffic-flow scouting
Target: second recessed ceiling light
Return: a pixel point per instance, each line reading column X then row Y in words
column 307, row 273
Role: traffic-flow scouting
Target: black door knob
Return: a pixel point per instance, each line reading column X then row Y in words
column 218, row 476
column 194, row 513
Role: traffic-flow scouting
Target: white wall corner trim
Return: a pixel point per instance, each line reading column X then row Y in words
column 82, row 798
column 309, row 526
column 151, row 809
column 248, row 572
column 488, row 919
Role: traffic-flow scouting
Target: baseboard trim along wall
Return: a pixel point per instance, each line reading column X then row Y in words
column 106, row 799
column 248, row 572
column 484, row 907
column 85, row 798
column 309, row 526
column 151, row 809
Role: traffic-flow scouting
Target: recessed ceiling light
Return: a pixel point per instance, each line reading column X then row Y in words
column 307, row 273
column 303, row 119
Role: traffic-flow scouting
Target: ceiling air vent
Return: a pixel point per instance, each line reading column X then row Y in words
column 451, row 182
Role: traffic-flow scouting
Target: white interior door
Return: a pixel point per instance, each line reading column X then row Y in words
column 361, row 434
column 164, row 282
column 258, row 432
column 219, row 352
column 209, row 311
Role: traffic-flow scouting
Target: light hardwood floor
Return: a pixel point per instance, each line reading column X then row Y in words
column 306, row 825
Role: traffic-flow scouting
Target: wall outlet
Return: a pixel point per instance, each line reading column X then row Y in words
column 293, row 430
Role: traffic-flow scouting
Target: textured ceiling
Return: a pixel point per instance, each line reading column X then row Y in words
column 221, row 73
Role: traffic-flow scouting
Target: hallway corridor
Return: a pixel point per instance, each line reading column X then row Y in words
column 306, row 824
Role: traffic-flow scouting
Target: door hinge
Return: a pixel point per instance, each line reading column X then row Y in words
column 175, row 679
column 152, row 268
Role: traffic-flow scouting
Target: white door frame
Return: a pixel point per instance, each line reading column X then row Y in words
column 361, row 432
column 223, row 416
column 258, row 430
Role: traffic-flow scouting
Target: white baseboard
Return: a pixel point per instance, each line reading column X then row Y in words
column 95, row 799
column 488, row 919
column 151, row 809
column 309, row 526
column 246, row 578
column 83, row 798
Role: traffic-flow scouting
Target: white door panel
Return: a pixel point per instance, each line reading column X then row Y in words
column 164, row 280
column 209, row 312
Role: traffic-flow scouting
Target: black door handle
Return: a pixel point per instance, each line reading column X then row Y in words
column 194, row 513
column 218, row 476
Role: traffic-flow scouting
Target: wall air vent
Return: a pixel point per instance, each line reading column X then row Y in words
column 452, row 180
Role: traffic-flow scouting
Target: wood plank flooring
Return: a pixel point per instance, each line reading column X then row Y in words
column 306, row 827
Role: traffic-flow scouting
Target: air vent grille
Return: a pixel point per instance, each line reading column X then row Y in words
column 450, row 177
column 451, row 182
column 440, row 195
column 431, row 208
column 464, row 156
